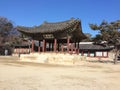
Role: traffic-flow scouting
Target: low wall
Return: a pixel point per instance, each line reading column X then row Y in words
column 52, row 58
column 60, row 58
column 109, row 58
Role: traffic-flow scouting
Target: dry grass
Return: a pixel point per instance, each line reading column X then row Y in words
column 16, row 75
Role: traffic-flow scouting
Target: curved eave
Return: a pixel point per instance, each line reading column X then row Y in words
column 43, row 28
column 70, row 27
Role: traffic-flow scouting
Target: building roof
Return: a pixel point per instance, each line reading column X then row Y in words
column 54, row 30
column 94, row 47
column 47, row 27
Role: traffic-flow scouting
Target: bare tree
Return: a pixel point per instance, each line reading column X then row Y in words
column 8, row 34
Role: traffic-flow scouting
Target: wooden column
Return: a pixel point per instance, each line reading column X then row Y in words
column 43, row 46
column 88, row 53
column 82, row 53
column 62, row 47
column 72, row 48
column 39, row 46
column 78, row 51
column 32, row 46
column 95, row 54
column 58, row 47
column 16, row 51
column 75, row 44
column 26, row 50
column 78, row 45
column 102, row 53
column 68, row 41
column 21, row 50
column 55, row 44
column 52, row 46
column 107, row 53
column 75, row 49
column 49, row 46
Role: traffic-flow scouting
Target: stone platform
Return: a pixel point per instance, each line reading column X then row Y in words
column 52, row 58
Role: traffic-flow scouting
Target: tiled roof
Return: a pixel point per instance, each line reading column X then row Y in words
column 93, row 47
column 49, row 27
column 58, row 30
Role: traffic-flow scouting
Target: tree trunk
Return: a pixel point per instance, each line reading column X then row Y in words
column 116, row 56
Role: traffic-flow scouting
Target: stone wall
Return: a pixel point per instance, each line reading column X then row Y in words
column 52, row 58
column 61, row 58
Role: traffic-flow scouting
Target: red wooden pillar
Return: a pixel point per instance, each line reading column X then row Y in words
column 49, row 46
column 16, row 51
column 102, row 53
column 107, row 53
column 22, row 50
column 62, row 47
column 19, row 50
column 78, row 52
column 32, row 46
column 68, row 41
column 39, row 47
column 55, row 44
column 26, row 50
column 72, row 48
column 43, row 46
column 88, row 53
column 52, row 46
column 78, row 45
column 95, row 54
column 75, row 44
column 82, row 53
column 58, row 47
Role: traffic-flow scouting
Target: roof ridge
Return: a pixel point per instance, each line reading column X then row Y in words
column 45, row 22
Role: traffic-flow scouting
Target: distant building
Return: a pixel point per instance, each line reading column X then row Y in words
column 90, row 49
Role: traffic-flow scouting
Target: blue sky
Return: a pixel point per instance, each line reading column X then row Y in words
column 34, row 12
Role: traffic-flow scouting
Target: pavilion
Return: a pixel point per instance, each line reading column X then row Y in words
column 55, row 36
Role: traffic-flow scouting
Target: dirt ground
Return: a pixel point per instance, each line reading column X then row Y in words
column 16, row 75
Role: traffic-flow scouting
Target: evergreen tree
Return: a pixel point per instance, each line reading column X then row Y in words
column 108, row 32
